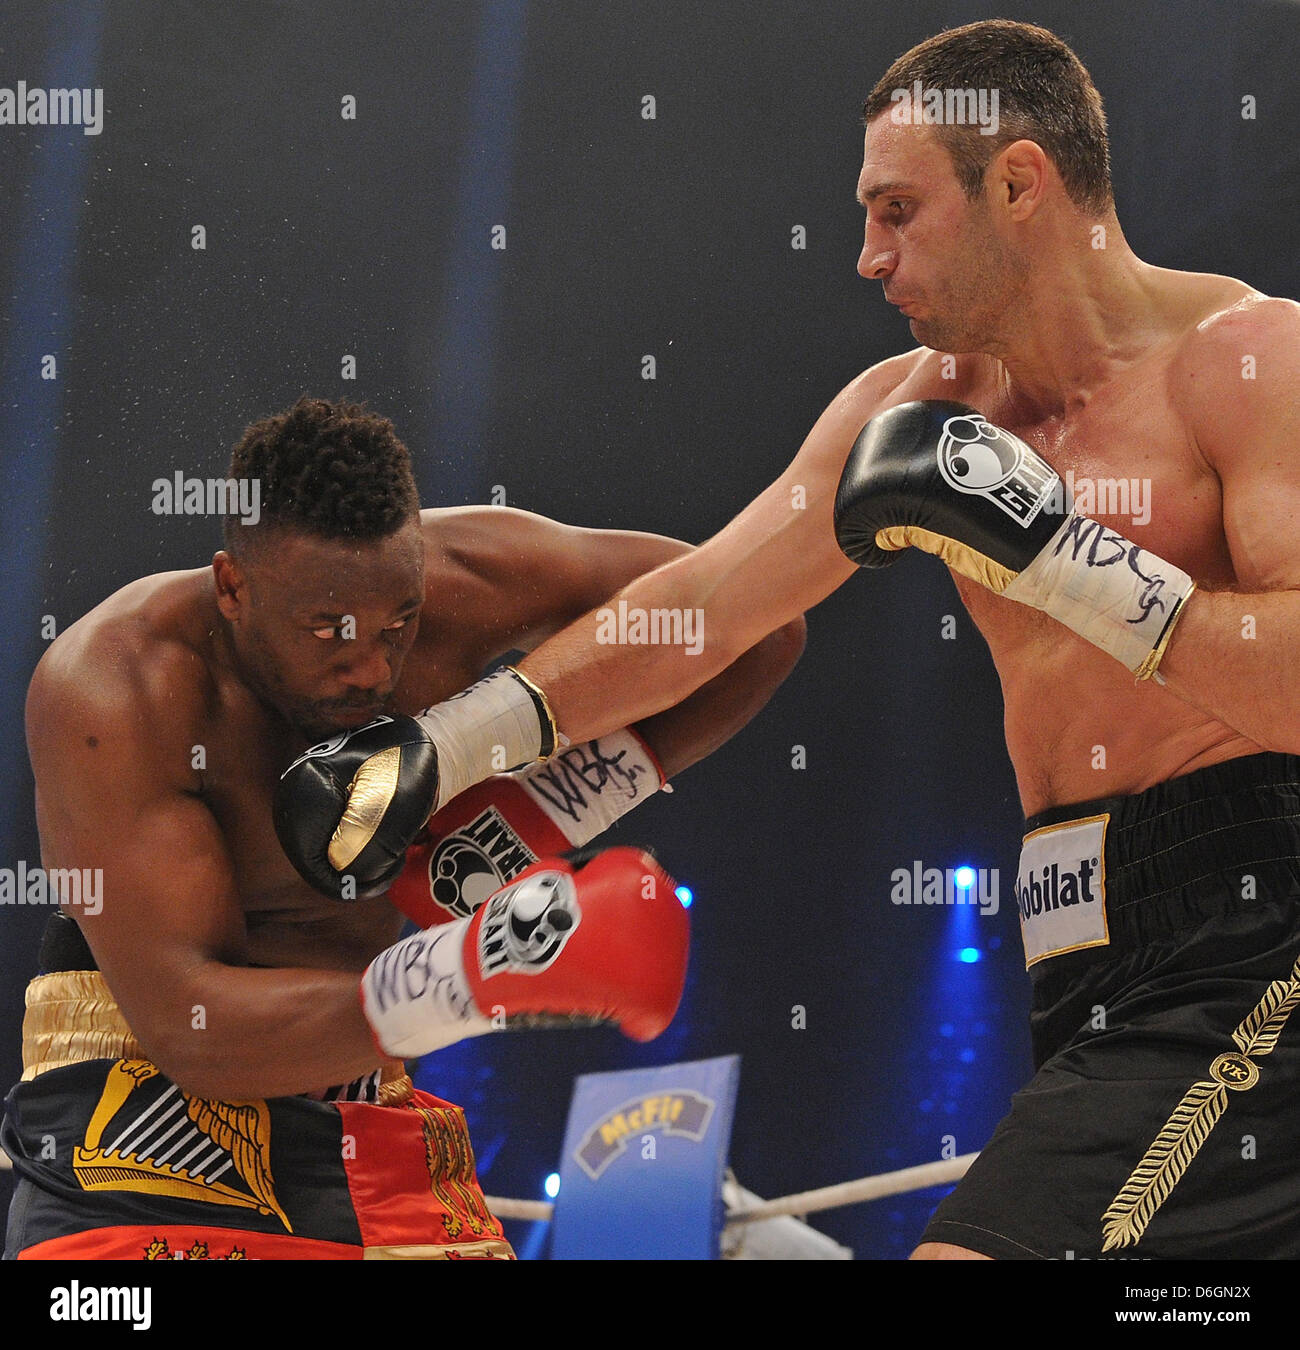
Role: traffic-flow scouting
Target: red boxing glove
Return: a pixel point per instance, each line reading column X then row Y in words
column 605, row 941
column 486, row 836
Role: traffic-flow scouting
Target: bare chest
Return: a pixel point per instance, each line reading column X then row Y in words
column 1077, row 724
column 1128, row 461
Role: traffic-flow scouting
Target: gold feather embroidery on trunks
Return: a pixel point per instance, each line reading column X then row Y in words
column 450, row 1160
column 215, row 1137
column 1180, row 1140
column 490, row 1249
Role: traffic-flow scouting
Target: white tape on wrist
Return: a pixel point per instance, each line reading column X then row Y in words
column 491, row 727
column 1108, row 590
column 416, row 997
column 586, row 788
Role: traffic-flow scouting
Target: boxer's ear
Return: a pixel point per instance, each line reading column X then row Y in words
column 1020, row 174
column 232, row 590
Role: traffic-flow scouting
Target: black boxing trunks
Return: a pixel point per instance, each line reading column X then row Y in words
column 115, row 1162
column 1162, row 932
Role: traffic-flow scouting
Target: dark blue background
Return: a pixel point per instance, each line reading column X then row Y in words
column 522, row 368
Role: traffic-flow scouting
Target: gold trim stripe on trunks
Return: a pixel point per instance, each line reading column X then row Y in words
column 490, row 1249
column 1173, row 1149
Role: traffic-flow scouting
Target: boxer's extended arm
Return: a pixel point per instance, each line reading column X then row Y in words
column 775, row 560
column 115, row 790
column 1237, row 655
column 523, row 577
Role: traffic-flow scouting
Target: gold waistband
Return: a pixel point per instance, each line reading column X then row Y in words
column 72, row 1017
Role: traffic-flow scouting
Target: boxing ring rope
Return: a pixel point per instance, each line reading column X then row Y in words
column 799, row 1205
column 805, row 1202
column 758, row 1229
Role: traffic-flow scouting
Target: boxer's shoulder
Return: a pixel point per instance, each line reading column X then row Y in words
column 498, row 578
column 1234, row 371
column 1240, row 322
column 921, row 373
column 481, row 563
column 131, row 667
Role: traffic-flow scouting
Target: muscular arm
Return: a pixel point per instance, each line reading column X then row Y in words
column 529, row 576
column 775, row 560
column 1237, row 655
column 111, row 746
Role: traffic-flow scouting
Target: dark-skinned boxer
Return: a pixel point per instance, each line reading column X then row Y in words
column 212, row 1062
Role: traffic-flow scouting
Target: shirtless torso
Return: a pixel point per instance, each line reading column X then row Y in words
column 156, row 761
column 1111, row 735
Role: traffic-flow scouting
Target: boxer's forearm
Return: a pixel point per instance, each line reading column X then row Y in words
column 767, row 568
column 1237, row 657
column 712, row 715
column 239, row 1034
column 596, row 685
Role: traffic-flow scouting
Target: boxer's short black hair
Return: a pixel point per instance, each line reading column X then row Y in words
column 331, row 469
column 1044, row 95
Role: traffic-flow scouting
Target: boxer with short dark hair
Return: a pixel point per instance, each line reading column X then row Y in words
column 213, row 1061
column 1163, row 886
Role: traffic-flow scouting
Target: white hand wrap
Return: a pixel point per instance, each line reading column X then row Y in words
column 1108, row 590
column 496, row 725
column 416, row 997
column 584, row 789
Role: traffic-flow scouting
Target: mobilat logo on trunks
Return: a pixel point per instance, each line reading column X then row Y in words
column 1061, row 888
column 981, row 459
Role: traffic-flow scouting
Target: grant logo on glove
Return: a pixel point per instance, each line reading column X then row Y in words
column 466, row 867
column 976, row 456
column 603, row 940
column 526, row 926
column 486, row 836
column 937, row 476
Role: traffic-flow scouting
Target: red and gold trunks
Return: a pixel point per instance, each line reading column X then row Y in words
column 115, row 1162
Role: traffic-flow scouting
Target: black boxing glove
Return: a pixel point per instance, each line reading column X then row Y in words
column 346, row 810
column 937, row 476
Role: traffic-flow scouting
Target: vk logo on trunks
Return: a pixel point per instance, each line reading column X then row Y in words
column 1061, row 888
column 979, row 458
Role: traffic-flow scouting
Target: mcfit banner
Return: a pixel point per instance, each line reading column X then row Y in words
column 644, row 1154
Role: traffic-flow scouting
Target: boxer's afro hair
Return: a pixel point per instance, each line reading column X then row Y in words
column 329, row 469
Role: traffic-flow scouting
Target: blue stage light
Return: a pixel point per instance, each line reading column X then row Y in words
column 686, row 896
column 969, row 955
column 552, row 1185
column 965, row 877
